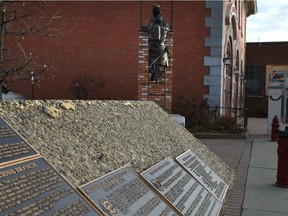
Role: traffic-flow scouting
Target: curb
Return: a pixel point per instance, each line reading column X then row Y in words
column 220, row 135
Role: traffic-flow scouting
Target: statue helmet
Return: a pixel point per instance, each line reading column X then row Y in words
column 156, row 10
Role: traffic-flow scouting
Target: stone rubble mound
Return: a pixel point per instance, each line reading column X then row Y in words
column 88, row 139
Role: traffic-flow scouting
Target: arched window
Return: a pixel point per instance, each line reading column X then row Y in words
column 227, row 78
column 229, row 54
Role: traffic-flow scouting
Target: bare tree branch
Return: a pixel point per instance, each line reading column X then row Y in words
column 22, row 50
column 83, row 84
column 18, row 19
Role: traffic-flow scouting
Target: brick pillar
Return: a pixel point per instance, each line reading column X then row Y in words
column 156, row 90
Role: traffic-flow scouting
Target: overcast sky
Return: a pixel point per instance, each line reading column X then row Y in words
column 270, row 23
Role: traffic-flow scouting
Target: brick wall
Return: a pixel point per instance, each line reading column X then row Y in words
column 262, row 54
column 189, row 49
column 97, row 37
column 103, row 37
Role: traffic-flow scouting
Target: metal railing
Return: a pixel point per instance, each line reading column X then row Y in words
column 221, row 118
column 239, row 114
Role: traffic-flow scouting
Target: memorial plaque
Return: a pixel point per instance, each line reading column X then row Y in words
column 34, row 188
column 123, row 193
column 200, row 171
column 12, row 146
column 181, row 189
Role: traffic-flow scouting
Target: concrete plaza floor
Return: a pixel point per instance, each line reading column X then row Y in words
column 254, row 161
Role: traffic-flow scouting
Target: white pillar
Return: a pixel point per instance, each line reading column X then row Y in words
column 274, row 104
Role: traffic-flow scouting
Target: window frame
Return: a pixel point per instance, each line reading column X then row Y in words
column 253, row 74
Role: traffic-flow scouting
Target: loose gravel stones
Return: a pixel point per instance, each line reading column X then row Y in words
column 97, row 137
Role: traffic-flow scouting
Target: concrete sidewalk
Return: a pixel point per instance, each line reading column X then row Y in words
column 255, row 163
column 261, row 196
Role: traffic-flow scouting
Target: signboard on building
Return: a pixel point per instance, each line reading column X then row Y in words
column 276, row 75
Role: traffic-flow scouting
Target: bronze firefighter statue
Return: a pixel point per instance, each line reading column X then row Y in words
column 158, row 52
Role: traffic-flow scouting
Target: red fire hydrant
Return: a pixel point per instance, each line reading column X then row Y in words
column 275, row 128
column 282, row 171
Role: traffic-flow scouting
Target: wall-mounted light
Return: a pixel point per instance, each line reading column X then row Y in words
column 242, row 77
column 227, row 59
column 236, row 70
column 32, row 84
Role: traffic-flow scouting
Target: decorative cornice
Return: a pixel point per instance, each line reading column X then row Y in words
column 230, row 12
column 251, row 7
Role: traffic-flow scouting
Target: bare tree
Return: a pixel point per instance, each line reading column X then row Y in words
column 83, row 84
column 18, row 20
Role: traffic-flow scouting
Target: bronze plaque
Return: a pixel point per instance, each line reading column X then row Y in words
column 200, row 171
column 35, row 188
column 181, row 189
column 12, row 146
column 123, row 193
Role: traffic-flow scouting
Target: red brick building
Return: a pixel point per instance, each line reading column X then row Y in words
column 103, row 37
column 261, row 60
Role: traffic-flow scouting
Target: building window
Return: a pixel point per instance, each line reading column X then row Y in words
column 253, row 80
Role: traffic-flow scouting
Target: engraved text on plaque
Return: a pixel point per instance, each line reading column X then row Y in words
column 12, row 146
column 181, row 189
column 35, row 188
column 203, row 174
column 123, row 193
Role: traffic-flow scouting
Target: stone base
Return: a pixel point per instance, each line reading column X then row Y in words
column 179, row 119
